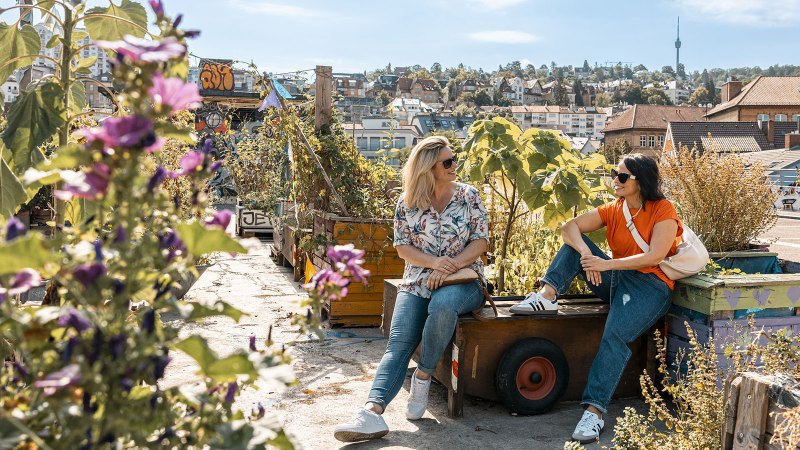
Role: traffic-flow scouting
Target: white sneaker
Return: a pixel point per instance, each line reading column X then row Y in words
column 534, row 303
column 418, row 398
column 364, row 425
column 589, row 428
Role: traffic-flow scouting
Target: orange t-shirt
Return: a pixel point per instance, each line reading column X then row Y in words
column 620, row 238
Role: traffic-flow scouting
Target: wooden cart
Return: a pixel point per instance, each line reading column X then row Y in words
column 528, row 363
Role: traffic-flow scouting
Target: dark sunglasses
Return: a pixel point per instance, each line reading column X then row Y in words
column 448, row 163
column 623, row 177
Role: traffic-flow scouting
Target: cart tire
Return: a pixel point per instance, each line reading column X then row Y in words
column 532, row 376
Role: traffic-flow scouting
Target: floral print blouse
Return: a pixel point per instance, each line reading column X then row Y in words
column 464, row 219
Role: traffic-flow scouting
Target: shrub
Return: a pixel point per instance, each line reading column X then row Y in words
column 257, row 168
column 725, row 202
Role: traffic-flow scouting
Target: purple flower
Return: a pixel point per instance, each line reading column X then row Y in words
column 24, row 280
column 91, row 183
column 75, row 319
column 215, row 166
column 117, row 345
column 170, row 241
column 158, row 7
column 68, row 376
column 191, row 162
column 87, row 274
column 348, row 260
column 143, row 50
column 160, row 365
column 221, row 219
column 98, row 250
column 174, row 94
column 158, row 177
column 122, row 132
column 325, row 281
column 149, row 321
column 14, row 229
column 120, row 235
column 230, row 396
column 253, row 342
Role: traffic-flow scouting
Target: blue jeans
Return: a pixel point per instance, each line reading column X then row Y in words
column 431, row 321
column 637, row 300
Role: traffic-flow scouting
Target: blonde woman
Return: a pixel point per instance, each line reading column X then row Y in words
column 440, row 226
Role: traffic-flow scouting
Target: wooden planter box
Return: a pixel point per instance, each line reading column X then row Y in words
column 285, row 247
column 364, row 303
column 721, row 296
column 724, row 333
column 252, row 221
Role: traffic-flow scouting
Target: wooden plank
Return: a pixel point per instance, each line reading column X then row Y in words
column 340, row 308
column 355, row 321
column 751, row 413
column 733, row 387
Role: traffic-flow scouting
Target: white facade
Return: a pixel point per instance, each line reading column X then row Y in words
column 404, row 109
column 580, row 122
column 10, row 90
column 375, row 134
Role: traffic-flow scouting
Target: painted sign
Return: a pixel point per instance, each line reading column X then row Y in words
column 216, row 74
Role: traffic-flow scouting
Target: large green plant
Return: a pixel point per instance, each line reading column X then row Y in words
column 531, row 171
column 46, row 109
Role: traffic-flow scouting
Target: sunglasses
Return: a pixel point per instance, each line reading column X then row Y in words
column 448, row 163
column 623, row 177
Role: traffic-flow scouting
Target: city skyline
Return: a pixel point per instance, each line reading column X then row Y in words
column 354, row 36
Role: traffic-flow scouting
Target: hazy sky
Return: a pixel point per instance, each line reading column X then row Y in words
column 351, row 35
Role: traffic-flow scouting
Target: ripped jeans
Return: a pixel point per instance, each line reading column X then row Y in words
column 637, row 300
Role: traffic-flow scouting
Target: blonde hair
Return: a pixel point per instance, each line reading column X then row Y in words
column 418, row 180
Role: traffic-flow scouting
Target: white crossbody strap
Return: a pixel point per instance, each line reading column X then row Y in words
column 632, row 227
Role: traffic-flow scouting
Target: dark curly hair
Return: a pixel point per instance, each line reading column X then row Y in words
column 645, row 168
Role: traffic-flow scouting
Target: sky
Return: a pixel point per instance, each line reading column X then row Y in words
column 358, row 35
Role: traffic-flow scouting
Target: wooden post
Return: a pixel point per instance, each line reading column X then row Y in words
column 751, row 415
column 324, row 100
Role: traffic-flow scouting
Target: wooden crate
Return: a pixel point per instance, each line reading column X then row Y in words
column 364, row 302
column 719, row 296
column 755, row 406
column 469, row 363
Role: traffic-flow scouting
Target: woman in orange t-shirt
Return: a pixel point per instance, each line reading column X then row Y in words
column 630, row 280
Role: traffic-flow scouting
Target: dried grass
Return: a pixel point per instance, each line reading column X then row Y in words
column 726, row 202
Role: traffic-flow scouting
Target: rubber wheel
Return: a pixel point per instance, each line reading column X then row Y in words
column 532, row 376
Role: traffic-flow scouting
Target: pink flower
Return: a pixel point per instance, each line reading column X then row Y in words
column 191, row 162
column 347, row 259
column 68, row 376
column 158, row 7
column 174, row 94
column 143, row 50
column 122, row 132
column 90, row 184
column 24, row 280
column 221, row 219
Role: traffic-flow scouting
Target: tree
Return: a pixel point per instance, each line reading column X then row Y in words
column 699, row 96
column 586, row 67
column 668, row 70
column 482, row 99
column 385, row 98
column 712, row 96
column 656, row 96
column 466, row 98
column 615, row 150
column 602, row 99
column 640, row 67
column 464, row 110
column 681, row 72
column 578, row 89
column 436, row 68
column 627, row 73
column 633, row 95
column 560, row 93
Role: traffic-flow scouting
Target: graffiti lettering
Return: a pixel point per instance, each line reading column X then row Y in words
column 216, row 75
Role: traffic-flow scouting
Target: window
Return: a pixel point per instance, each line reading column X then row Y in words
column 642, row 141
column 361, row 143
column 795, row 117
column 374, row 143
column 762, row 117
column 399, row 142
column 652, row 142
column 661, row 141
column 780, row 117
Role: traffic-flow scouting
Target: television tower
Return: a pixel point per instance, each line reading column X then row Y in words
column 678, row 49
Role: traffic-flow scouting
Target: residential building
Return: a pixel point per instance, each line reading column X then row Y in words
column 644, row 127
column 427, row 91
column 405, row 109
column 99, row 93
column 10, row 90
column 379, row 133
column 428, row 123
column 762, row 99
column 348, row 85
column 575, row 121
column 354, row 109
column 517, row 85
column 739, row 137
column 474, row 86
column 532, row 95
column 506, row 91
column 89, row 50
column 782, row 166
column 677, row 91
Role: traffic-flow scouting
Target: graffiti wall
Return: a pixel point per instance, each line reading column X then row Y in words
column 216, row 74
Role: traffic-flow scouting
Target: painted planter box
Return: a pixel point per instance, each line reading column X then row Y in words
column 724, row 333
column 364, row 303
column 719, row 297
column 251, row 221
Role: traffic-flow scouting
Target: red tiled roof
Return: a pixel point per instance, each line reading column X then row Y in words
column 654, row 117
column 765, row 91
column 404, row 83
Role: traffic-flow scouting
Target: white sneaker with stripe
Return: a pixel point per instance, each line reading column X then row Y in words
column 589, row 428
column 534, row 303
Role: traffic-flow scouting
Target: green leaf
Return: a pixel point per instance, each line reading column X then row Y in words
column 228, row 368
column 14, row 43
column 77, row 97
column 79, row 35
column 10, row 436
column 491, row 165
column 200, row 240
column 169, row 130
column 29, row 251
column 46, row 4
column 54, row 41
column 197, row 348
column 103, row 28
column 85, row 63
column 12, row 193
column 33, row 120
column 70, row 156
column 197, row 311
